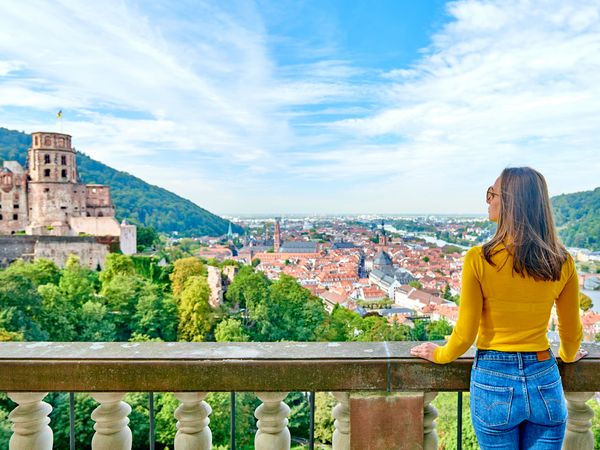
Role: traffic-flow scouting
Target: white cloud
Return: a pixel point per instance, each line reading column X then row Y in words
column 504, row 82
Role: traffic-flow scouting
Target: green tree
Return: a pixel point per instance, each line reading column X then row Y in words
column 155, row 314
column 425, row 259
column 20, row 307
column 94, row 324
column 121, row 295
column 342, row 323
column 447, row 294
column 77, row 283
column 147, row 237
column 231, row 330
column 415, row 284
column 59, row 316
column 445, row 403
column 116, row 264
column 324, row 404
column 183, row 269
column 291, row 313
column 248, row 289
column 195, row 313
column 438, row 329
column 41, row 271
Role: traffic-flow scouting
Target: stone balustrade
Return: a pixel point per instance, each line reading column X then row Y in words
column 384, row 395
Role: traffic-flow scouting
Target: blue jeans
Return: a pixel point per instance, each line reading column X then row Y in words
column 517, row 400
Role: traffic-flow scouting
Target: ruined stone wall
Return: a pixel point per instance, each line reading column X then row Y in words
column 51, row 158
column 216, row 286
column 55, row 248
column 98, row 202
column 128, row 239
column 52, row 204
column 13, row 199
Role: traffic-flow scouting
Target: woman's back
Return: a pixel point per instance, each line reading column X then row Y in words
column 516, row 309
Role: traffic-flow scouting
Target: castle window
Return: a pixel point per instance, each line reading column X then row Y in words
column 15, row 217
column 63, row 173
column 0, row 216
column 16, row 206
column 63, row 160
column 46, row 172
column 46, row 189
column 46, row 159
column 63, row 207
column 37, row 141
column 47, row 140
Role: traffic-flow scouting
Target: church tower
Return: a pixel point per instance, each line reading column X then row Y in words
column 277, row 236
column 54, row 193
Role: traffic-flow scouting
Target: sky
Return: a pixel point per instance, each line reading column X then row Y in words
column 313, row 106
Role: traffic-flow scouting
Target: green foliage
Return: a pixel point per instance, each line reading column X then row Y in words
column 20, row 307
column 116, row 264
column 249, row 288
column 95, row 325
column 324, row 404
column 415, row 284
column 578, row 218
column 42, row 271
column 155, row 314
column 291, row 313
column 59, row 316
column 77, row 282
column 134, row 199
column 147, row 237
column 231, row 330
column 121, row 295
column 195, row 314
column 446, row 404
column 183, row 269
column 438, row 330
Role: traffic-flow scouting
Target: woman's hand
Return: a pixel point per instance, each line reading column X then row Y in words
column 424, row 351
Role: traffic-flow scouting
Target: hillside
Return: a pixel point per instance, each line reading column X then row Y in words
column 578, row 218
column 134, row 199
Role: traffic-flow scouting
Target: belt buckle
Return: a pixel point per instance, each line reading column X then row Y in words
column 543, row 355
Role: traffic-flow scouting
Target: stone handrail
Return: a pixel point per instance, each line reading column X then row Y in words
column 368, row 378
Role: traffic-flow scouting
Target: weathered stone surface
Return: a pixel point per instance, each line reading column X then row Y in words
column 244, row 366
column 386, row 421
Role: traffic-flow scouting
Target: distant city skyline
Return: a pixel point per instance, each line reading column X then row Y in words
column 334, row 107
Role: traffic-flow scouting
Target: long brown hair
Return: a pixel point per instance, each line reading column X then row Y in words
column 526, row 227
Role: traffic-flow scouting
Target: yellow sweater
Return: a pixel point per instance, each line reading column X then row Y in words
column 510, row 313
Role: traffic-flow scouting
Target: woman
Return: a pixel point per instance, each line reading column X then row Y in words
column 509, row 286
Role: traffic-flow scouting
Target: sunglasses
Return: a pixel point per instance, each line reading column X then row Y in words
column 490, row 194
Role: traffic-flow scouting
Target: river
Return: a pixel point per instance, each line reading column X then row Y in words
column 595, row 296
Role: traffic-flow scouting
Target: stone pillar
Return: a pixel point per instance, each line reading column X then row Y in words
column 386, row 420
column 193, row 432
column 272, row 433
column 30, row 422
column 112, row 430
column 430, row 439
column 341, row 414
column 579, row 434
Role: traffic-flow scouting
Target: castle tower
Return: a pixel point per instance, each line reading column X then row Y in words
column 277, row 237
column 54, row 193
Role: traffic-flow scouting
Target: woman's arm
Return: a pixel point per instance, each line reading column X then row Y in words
column 469, row 315
column 569, row 321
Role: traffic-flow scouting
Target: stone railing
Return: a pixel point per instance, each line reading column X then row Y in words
column 384, row 394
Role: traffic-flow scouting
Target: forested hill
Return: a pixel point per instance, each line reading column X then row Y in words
column 134, row 199
column 578, row 218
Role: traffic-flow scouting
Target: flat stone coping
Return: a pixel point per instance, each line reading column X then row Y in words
column 245, row 366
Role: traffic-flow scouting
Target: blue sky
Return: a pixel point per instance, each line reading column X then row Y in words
column 393, row 106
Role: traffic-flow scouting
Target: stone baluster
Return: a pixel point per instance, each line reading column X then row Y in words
column 341, row 414
column 272, row 433
column 430, row 439
column 192, row 414
column 30, row 422
column 112, row 430
column 579, row 434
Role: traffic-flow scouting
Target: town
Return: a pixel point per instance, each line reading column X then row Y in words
column 404, row 268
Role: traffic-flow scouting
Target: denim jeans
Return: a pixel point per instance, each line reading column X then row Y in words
column 517, row 400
